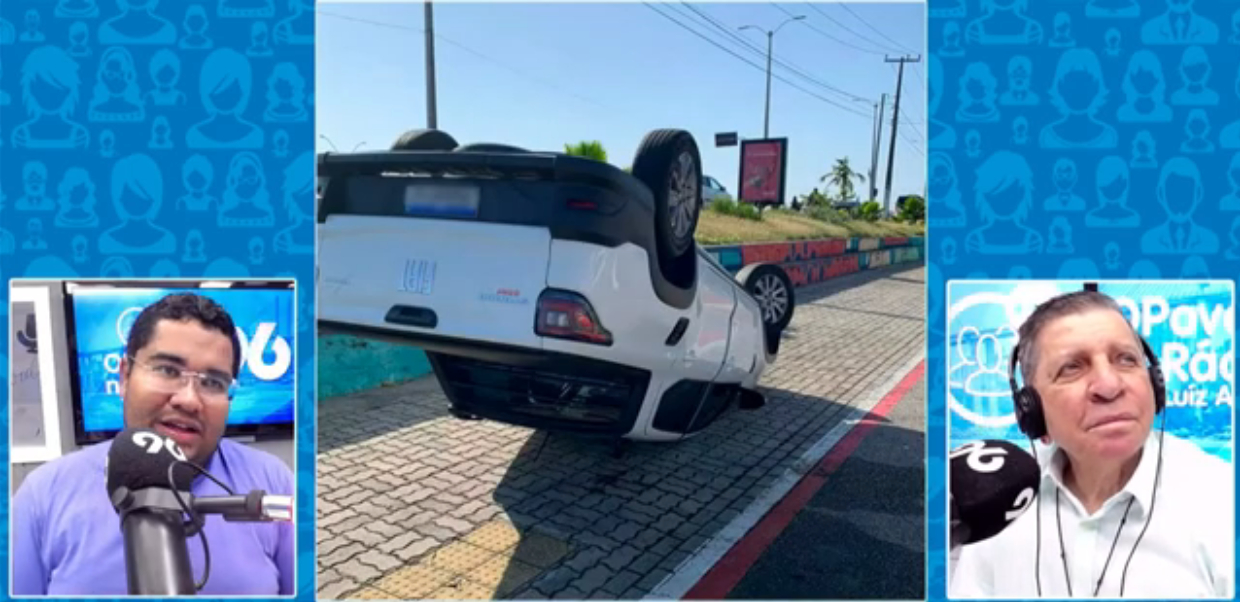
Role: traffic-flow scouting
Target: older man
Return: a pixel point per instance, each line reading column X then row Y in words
column 1122, row 511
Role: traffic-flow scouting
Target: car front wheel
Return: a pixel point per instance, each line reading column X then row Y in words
column 771, row 287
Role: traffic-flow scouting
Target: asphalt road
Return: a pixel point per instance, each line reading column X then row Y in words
column 862, row 536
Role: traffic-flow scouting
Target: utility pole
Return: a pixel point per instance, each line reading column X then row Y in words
column 895, row 122
column 432, row 117
column 879, row 109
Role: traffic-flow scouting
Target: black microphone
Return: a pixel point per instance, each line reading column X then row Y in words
column 993, row 482
column 152, row 523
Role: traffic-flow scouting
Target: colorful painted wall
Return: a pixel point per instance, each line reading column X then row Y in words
column 814, row 261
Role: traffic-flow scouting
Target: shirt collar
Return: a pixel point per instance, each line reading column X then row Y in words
column 1140, row 486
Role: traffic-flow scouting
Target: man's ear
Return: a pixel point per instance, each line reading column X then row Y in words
column 1046, row 439
column 125, row 367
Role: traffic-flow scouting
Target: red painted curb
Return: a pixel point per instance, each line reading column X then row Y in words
column 721, row 578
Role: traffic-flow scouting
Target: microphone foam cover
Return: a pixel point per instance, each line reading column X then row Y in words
column 139, row 459
column 992, row 483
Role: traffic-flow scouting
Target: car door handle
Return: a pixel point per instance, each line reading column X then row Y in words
column 409, row 315
column 678, row 331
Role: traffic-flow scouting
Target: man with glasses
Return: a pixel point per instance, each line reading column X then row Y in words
column 178, row 376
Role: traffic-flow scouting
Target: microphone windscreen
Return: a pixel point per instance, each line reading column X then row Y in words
column 992, row 483
column 139, row 459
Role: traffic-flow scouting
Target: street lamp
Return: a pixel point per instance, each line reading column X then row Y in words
column 770, row 40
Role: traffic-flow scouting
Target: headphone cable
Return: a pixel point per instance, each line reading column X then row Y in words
column 1153, row 496
column 1037, row 558
column 1063, row 554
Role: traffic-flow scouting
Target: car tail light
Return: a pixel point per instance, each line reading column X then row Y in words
column 582, row 204
column 565, row 315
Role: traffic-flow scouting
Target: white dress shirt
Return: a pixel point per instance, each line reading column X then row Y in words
column 1188, row 550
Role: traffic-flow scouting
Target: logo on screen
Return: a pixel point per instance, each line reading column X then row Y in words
column 253, row 347
column 1196, row 360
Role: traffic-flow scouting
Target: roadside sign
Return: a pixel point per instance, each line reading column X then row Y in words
column 764, row 164
column 726, row 139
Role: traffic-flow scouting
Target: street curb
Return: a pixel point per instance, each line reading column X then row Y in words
column 700, row 562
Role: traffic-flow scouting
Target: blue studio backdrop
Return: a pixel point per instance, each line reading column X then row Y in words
column 1189, row 325
column 102, row 319
column 1078, row 140
column 162, row 139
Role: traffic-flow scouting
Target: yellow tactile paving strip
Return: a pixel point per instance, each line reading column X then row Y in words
column 490, row 562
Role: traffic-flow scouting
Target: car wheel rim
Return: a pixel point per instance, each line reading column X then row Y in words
column 680, row 198
column 772, row 297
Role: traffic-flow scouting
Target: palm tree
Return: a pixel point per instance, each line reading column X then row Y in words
column 842, row 176
column 590, row 149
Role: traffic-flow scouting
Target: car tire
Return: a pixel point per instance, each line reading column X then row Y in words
column 424, row 140
column 488, row 147
column 669, row 164
column 770, row 285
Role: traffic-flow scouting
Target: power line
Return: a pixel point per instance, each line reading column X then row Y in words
column 896, row 46
column 836, row 104
column 916, row 130
column 912, row 66
column 477, row 54
column 920, row 78
column 762, row 54
column 827, row 35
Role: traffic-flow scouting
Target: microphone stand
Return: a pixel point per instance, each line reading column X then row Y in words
column 255, row 506
column 152, row 520
column 156, row 553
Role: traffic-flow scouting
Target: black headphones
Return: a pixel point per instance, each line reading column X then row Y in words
column 1029, row 415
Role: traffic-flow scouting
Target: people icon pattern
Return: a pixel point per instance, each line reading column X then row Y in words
column 153, row 138
column 1123, row 115
column 1077, row 139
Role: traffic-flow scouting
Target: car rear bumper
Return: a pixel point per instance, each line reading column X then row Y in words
column 525, row 387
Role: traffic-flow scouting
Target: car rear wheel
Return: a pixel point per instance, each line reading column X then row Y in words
column 772, row 288
column 669, row 164
column 424, row 140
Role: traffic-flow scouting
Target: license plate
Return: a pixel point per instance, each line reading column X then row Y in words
column 418, row 277
column 442, row 201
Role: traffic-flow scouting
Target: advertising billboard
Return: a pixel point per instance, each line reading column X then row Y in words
column 764, row 165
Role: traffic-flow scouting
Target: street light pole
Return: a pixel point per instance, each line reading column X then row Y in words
column 770, row 44
column 766, row 122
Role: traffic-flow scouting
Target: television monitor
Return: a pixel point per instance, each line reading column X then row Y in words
column 100, row 314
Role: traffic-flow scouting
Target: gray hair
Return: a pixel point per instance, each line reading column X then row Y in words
column 1073, row 303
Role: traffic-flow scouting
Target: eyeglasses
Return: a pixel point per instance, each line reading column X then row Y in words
column 170, row 378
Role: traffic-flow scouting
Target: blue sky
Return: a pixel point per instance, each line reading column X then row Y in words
column 542, row 75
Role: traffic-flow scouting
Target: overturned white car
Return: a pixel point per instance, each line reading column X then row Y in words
column 549, row 291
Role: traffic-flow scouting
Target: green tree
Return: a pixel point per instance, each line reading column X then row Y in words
column 913, row 210
column 841, row 176
column 590, row 149
column 816, row 198
column 870, row 211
